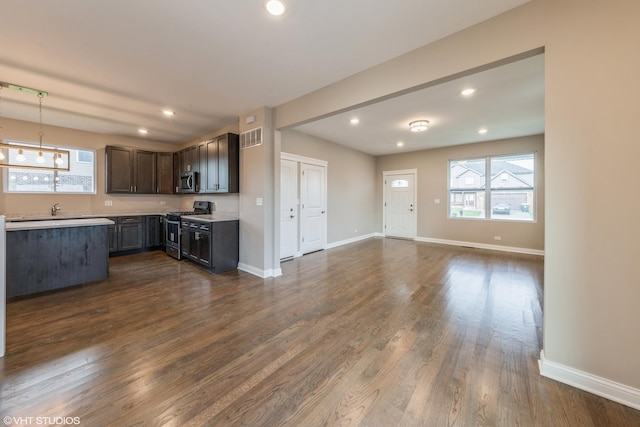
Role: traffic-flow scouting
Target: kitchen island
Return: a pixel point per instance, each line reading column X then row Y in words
column 53, row 254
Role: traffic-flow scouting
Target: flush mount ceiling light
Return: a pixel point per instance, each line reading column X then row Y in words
column 275, row 7
column 354, row 121
column 482, row 131
column 22, row 156
column 419, row 125
column 400, row 144
column 168, row 113
column 468, row 92
column 143, row 131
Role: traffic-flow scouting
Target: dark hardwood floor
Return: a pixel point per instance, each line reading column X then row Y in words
column 376, row 333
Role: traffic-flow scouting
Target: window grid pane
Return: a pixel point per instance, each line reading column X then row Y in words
column 510, row 194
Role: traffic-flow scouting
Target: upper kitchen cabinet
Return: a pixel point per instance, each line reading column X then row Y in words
column 138, row 171
column 188, row 159
column 223, row 165
column 119, row 169
column 164, row 173
column 144, row 172
column 217, row 162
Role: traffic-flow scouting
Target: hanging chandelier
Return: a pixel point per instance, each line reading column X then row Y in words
column 27, row 156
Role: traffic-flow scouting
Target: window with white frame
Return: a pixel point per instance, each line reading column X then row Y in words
column 81, row 177
column 504, row 187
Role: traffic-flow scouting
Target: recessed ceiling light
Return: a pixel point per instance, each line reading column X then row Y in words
column 482, row 131
column 354, row 121
column 168, row 113
column 275, row 7
column 143, row 131
column 419, row 125
column 468, row 92
column 400, row 144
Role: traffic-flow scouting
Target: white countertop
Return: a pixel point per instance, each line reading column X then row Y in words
column 214, row 217
column 72, row 215
column 58, row 223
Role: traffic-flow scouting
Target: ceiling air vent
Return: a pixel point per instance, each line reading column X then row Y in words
column 251, row 138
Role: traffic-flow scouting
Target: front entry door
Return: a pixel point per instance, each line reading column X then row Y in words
column 288, row 208
column 312, row 208
column 400, row 209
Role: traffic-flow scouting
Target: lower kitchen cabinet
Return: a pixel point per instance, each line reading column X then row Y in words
column 135, row 233
column 154, row 231
column 129, row 233
column 213, row 245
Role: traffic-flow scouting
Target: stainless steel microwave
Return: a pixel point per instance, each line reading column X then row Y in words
column 189, row 182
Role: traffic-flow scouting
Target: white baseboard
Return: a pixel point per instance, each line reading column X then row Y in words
column 274, row 272
column 599, row 386
column 482, row 246
column 351, row 240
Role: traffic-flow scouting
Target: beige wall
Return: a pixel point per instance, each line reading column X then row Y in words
column 259, row 173
column 351, row 189
column 591, row 66
column 433, row 221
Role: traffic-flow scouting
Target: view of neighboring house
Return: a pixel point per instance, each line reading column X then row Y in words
column 508, row 187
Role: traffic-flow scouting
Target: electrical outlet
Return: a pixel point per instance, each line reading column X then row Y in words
column 108, row 203
column 497, row 237
column 259, row 201
column 436, row 201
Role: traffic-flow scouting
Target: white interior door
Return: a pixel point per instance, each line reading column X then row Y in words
column 288, row 208
column 400, row 207
column 312, row 208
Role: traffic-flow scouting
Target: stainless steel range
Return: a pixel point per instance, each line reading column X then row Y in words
column 173, row 238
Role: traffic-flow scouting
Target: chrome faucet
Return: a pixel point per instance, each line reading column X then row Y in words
column 55, row 209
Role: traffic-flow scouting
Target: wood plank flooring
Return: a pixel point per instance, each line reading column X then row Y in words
column 378, row 333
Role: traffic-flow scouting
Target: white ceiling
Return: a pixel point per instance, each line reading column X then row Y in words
column 112, row 66
column 508, row 102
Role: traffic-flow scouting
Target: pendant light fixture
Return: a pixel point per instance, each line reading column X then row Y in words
column 40, row 158
column 16, row 155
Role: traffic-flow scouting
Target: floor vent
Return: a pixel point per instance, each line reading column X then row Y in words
column 251, row 138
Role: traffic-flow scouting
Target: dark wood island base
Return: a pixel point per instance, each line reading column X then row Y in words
column 64, row 254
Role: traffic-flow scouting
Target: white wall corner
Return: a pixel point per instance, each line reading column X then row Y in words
column 599, row 386
column 263, row 274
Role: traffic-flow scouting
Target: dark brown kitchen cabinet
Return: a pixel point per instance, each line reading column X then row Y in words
column 164, row 173
column 112, row 235
column 213, row 245
column 188, row 159
column 129, row 233
column 129, row 170
column 153, row 231
column 222, row 164
column 125, row 234
column 119, row 169
column 144, row 172
column 217, row 162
